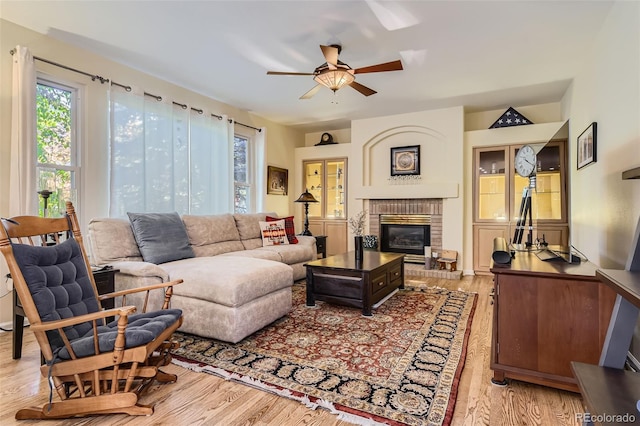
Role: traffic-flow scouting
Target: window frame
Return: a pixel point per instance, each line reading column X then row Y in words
column 75, row 167
column 250, row 184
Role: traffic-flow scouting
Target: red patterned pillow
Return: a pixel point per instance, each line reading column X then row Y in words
column 288, row 227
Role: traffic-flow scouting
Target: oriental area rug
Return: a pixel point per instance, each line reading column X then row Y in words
column 400, row 366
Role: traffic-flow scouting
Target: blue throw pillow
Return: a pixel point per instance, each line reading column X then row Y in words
column 161, row 237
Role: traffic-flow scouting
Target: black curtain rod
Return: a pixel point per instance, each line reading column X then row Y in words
column 199, row 111
column 93, row 77
column 246, row 125
column 103, row 80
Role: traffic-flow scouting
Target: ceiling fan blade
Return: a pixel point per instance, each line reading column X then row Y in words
column 387, row 66
column 331, row 55
column 288, row 73
column 311, row 92
column 362, row 89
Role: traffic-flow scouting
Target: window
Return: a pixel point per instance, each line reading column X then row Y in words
column 241, row 174
column 57, row 168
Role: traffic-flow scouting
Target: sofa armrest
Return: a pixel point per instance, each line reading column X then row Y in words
column 141, row 269
column 306, row 240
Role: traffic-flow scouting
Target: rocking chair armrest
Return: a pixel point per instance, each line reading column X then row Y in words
column 124, row 311
column 139, row 289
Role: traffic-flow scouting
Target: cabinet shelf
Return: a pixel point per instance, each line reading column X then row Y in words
column 625, row 283
column 607, row 390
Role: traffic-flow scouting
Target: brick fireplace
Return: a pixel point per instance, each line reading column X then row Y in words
column 415, row 206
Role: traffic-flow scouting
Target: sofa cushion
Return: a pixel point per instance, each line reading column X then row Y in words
column 161, row 237
column 249, row 229
column 273, row 233
column 212, row 235
column 111, row 240
column 257, row 254
column 228, row 280
column 289, row 254
column 289, row 227
column 247, row 224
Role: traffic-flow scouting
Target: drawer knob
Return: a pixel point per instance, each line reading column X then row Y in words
column 381, row 283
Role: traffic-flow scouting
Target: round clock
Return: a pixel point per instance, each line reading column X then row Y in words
column 326, row 138
column 525, row 161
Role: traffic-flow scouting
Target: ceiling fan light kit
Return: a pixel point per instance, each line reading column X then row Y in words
column 335, row 79
column 335, row 74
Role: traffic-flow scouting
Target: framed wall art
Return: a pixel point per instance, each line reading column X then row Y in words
column 277, row 181
column 405, row 160
column 587, row 146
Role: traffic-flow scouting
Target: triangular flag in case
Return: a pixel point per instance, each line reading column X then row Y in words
column 509, row 118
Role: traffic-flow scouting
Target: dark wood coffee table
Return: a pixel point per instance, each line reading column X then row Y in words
column 341, row 280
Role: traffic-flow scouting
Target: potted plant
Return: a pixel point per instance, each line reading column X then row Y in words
column 356, row 223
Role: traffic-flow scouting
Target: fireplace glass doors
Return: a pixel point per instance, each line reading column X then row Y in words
column 407, row 234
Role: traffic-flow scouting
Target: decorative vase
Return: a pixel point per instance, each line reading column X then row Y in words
column 370, row 242
column 359, row 246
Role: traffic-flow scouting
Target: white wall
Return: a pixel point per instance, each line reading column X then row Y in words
column 604, row 209
column 439, row 133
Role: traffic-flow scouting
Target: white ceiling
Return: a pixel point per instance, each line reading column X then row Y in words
column 481, row 54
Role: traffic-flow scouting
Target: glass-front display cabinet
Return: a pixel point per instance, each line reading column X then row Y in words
column 326, row 179
column 498, row 197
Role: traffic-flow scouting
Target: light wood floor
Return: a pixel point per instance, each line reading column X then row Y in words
column 202, row 399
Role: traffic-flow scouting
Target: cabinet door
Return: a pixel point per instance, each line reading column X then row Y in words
column 313, row 180
column 316, row 227
column 483, row 236
column 517, row 322
column 547, row 199
column 490, row 185
column 336, row 232
column 554, row 235
column 335, row 189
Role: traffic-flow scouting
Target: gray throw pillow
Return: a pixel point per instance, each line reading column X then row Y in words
column 161, row 237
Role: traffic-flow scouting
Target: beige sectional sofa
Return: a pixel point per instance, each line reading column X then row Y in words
column 232, row 287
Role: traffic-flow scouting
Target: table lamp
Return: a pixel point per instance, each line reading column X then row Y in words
column 306, row 197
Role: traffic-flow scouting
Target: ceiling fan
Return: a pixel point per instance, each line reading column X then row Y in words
column 335, row 74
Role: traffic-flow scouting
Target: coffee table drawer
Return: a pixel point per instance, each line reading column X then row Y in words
column 395, row 272
column 338, row 285
column 379, row 283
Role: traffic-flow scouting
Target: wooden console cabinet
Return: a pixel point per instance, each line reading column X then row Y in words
column 546, row 315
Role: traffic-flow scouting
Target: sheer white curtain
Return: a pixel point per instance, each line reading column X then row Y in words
column 211, row 164
column 165, row 157
column 261, row 168
column 23, row 198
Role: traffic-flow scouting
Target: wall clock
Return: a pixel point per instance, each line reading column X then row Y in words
column 525, row 161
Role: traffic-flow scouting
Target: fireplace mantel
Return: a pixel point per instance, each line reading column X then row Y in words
column 408, row 191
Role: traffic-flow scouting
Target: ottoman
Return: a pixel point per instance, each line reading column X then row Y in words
column 227, row 297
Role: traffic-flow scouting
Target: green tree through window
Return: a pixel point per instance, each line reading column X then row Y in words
column 56, row 160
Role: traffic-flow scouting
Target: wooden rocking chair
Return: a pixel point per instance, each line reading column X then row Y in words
column 96, row 367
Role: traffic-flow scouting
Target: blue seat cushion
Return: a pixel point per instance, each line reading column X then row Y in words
column 141, row 329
